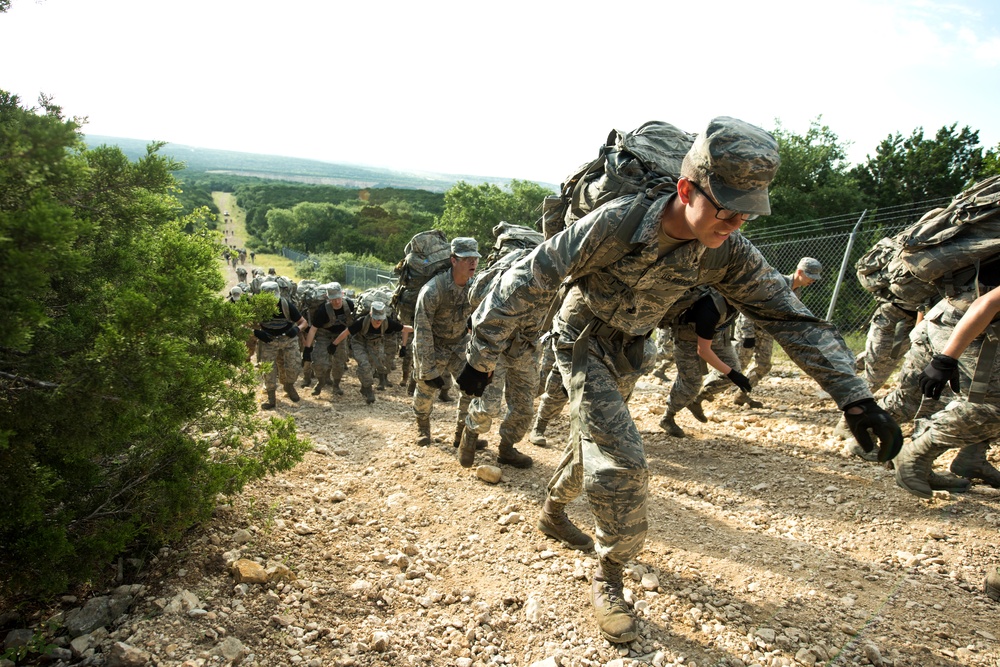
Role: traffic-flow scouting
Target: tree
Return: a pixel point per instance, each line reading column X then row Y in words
column 126, row 396
column 991, row 162
column 473, row 210
column 917, row 169
column 814, row 179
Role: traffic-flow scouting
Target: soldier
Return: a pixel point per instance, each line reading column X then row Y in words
column 278, row 343
column 368, row 335
column 756, row 344
column 701, row 339
column 241, row 274
column 328, row 322
column 951, row 347
column 515, row 382
column 617, row 294
column 235, row 294
column 440, row 333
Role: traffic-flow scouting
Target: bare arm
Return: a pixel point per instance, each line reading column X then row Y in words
column 706, row 352
column 974, row 322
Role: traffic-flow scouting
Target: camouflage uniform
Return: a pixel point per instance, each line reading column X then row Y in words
column 887, row 342
column 329, row 322
column 757, row 359
column 282, row 352
column 617, row 305
column 440, row 333
column 368, row 345
column 955, row 423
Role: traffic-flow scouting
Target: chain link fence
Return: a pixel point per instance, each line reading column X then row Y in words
column 849, row 238
column 364, row 277
column 297, row 256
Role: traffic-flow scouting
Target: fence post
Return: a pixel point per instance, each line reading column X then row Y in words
column 843, row 266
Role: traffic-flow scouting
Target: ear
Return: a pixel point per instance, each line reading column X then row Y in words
column 684, row 190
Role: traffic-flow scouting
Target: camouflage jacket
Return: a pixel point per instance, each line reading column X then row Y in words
column 632, row 294
column 440, row 321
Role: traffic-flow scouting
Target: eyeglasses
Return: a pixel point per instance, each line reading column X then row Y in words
column 723, row 213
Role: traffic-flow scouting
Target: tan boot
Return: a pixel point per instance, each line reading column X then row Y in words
column 460, row 428
column 668, row 424
column 368, row 393
column 537, row 435
column 423, row 431
column 554, row 523
column 971, row 463
column 382, row 382
column 509, row 456
column 694, row 407
column 319, row 387
column 992, row 585
column 336, row 388
column 291, row 393
column 467, row 447
column 914, row 463
column 444, row 396
column 271, row 402
column 614, row 617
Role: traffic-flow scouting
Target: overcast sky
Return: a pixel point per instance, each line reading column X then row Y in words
column 516, row 89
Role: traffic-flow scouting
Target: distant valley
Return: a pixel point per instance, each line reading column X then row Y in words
column 299, row 170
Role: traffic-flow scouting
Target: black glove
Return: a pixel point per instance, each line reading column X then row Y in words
column 739, row 380
column 263, row 336
column 402, row 352
column 472, row 381
column 307, row 354
column 749, row 343
column 873, row 419
column 332, row 348
column 437, row 382
column 293, row 332
column 941, row 371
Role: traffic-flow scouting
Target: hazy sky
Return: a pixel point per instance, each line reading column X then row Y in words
column 512, row 89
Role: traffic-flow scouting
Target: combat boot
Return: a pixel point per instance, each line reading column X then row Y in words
column 742, row 398
column 381, row 382
column 948, row 482
column 290, row 392
column 423, row 431
column 467, row 446
column 459, row 429
column 271, row 400
column 319, row 387
column 668, row 424
column 537, row 436
column 992, row 585
column 336, row 388
column 614, row 617
column 508, row 455
column 444, row 396
column 554, row 523
column 971, row 463
column 694, row 407
column 914, row 463
column 368, row 393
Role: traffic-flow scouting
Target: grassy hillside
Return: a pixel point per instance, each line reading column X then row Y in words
column 292, row 169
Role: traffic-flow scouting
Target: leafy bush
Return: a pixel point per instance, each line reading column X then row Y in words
column 126, row 395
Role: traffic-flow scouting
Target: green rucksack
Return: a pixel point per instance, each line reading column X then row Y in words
column 939, row 253
column 512, row 243
column 427, row 254
column 626, row 163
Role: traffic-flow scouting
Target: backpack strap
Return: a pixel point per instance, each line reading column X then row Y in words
column 984, row 364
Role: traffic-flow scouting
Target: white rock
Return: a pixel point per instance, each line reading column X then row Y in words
column 650, row 582
column 532, row 611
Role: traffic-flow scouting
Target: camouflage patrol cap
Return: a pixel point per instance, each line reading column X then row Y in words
column 378, row 310
column 334, row 291
column 236, row 293
column 740, row 160
column 811, row 268
column 463, row 246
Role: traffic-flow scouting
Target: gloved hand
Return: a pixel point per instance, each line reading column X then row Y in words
column 739, row 380
column 749, row 343
column 293, row 332
column 873, row 419
column 437, row 382
column 941, row 371
column 402, row 351
column 472, row 381
column 307, row 354
column 263, row 335
column 332, row 348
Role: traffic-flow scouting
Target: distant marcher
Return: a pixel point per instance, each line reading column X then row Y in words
column 278, row 343
column 328, row 322
column 368, row 336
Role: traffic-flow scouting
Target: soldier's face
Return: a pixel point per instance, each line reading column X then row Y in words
column 337, row 303
column 701, row 219
column 463, row 268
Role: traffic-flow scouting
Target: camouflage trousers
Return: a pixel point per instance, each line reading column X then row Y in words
column 691, row 368
column 322, row 362
column 369, row 354
column 449, row 362
column 547, row 362
column 954, row 421
column 286, row 361
column 664, row 350
column 515, row 381
column 608, row 460
column 757, row 359
column 888, row 341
